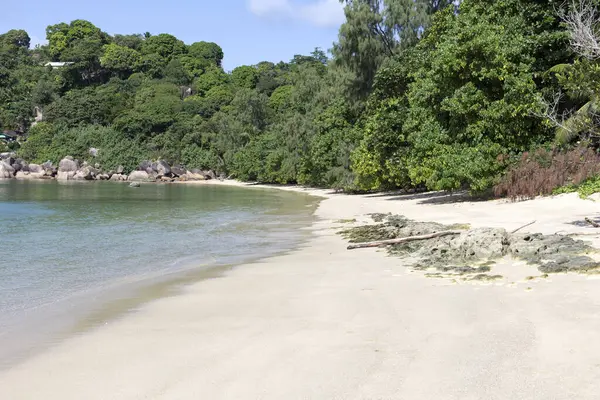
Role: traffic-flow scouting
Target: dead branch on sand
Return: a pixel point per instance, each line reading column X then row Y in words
column 592, row 223
column 524, row 226
column 382, row 243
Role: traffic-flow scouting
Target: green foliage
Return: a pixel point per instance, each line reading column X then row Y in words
column 133, row 42
column 38, row 144
column 245, row 77
column 376, row 30
column 120, row 59
column 211, row 52
column 164, row 45
column 418, row 94
column 585, row 190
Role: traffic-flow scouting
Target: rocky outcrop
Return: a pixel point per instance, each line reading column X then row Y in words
column 195, row 176
column 178, row 170
column 118, row 178
column 49, row 169
column 144, row 165
column 26, row 175
column 162, row 168
column 6, row 170
column 466, row 251
column 86, row 173
column 70, row 169
column 140, row 176
column 36, row 169
column 68, row 164
column 67, row 168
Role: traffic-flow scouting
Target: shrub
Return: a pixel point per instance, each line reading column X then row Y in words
column 543, row 171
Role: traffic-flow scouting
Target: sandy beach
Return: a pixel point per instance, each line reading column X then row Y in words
column 322, row 322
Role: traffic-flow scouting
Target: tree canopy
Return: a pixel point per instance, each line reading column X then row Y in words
column 415, row 94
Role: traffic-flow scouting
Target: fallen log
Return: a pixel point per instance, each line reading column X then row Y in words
column 403, row 240
column 592, row 223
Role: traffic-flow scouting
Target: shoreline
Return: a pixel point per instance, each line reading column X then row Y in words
column 82, row 312
column 322, row 322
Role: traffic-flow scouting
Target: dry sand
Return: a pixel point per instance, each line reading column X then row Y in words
column 322, row 322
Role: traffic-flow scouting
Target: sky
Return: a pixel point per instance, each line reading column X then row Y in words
column 249, row 31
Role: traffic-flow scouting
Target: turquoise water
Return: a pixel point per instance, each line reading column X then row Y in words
column 63, row 241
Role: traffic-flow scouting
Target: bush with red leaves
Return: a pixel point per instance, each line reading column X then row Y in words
column 541, row 172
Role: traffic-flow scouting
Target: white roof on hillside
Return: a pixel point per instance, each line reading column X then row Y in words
column 57, row 64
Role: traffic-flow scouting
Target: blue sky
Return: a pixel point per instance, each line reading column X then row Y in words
column 249, row 31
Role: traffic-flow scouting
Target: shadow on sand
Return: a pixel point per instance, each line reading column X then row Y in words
column 432, row 197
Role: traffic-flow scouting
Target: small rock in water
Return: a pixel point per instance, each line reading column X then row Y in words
column 134, row 184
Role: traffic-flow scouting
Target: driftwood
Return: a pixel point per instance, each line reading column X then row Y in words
column 524, row 226
column 592, row 223
column 402, row 240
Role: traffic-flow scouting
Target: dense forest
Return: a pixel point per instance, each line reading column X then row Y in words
column 430, row 94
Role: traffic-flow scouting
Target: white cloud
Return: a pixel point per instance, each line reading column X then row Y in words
column 325, row 13
column 264, row 8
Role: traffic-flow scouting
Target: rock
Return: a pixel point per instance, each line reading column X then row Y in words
column 210, row 174
column 97, row 166
column 65, row 175
column 177, row 170
column 569, row 264
column 67, row 164
column 120, row 169
column 5, row 156
column 134, row 184
column 162, row 168
column 141, row 176
column 193, row 176
column 18, row 164
column 6, row 171
column 482, row 243
column 26, row 175
column 118, row 177
column 86, row 173
column 49, row 169
column 144, row 165
column 93, row 151
column 35, row 168
column 102, row 177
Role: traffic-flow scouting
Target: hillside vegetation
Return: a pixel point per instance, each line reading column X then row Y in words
column 414, row 94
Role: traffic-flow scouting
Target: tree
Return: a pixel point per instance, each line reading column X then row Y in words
column 133, row 42
column 244, row 76
column 164, row 45
column 376, row 30
column 475, row 86
column 16, row 38
column 120, row 59
column 209, row 51
column 63, row 37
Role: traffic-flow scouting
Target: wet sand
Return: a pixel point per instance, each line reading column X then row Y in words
column 322, row 322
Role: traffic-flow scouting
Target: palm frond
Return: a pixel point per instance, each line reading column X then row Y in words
column 573, row 126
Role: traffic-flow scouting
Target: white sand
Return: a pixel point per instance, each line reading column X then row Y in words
column 326, row 323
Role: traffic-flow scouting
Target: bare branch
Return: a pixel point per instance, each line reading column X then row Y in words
column 581, row 23
column 550, row 112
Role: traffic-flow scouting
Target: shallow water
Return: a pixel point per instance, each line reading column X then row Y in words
column 66, row 243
